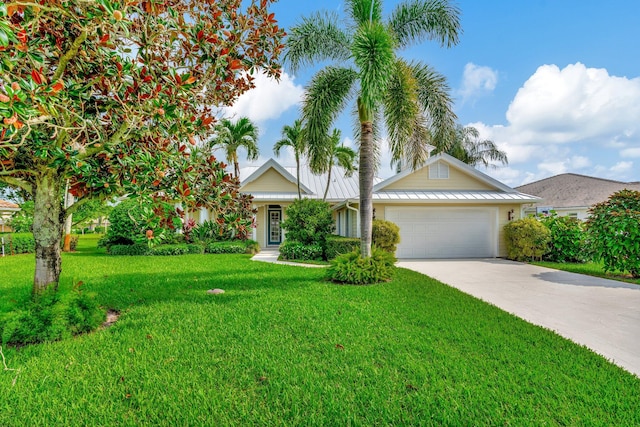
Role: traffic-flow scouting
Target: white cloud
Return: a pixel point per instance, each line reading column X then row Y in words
column 621, row 167
column 477, row 80
column 630, row 152
column 268, row 100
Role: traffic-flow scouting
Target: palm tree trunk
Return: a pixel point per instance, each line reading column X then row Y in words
column 48, row 220
column 367, row 167
column 298, row 175
column 326, row 190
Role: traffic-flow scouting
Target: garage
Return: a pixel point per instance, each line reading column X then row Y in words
column 435, row 232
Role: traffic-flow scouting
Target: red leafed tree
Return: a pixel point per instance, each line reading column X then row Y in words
column 108, row 94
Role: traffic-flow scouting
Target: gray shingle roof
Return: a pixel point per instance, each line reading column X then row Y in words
column 570, row 190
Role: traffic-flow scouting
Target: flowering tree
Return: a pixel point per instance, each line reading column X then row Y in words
column 108, row 94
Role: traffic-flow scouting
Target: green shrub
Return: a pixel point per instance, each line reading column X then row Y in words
column 134, row 249
column 351, row 268
column 309, row 221
column 338, row 245
column 526, row 239
column 22, row 221
column 52, row 316
column 99, row 229
column 300, row 251
column 567, row 239
column 614, row 232
column 19, row 243
column 385, row 235
column 232, row 247
column 176, row 249
column 127, row 225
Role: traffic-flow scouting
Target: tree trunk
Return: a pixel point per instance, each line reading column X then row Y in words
column 326, row 190
column 367, row 168
column 298, row 175
column 68, row 201
column 48, row 221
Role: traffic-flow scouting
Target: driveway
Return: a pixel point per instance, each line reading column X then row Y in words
column 603, row 315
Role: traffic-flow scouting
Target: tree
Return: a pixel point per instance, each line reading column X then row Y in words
column 470, row 149
column 233, row 135
column 339, row 155
column 410, row 98
column 294, row 137
column 107, row 94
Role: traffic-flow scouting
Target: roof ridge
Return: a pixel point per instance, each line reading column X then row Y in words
column 574, row 174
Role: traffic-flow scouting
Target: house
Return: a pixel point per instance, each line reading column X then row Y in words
column 571, row 194
column 445, row 209
column 7, row 209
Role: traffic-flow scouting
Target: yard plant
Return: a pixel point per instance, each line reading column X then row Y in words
column 283, row 347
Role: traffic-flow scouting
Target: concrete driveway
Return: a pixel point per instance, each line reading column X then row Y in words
column 603, row 315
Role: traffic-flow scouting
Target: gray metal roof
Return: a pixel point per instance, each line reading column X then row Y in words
column 456, row 196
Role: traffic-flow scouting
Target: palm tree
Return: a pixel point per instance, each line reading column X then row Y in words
column 410, row 98
column 294, row 137
column 233, row 135
column 468, row 148
column 339, row 155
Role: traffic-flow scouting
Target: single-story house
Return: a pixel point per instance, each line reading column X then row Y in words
column 445, row 209
column 571, row 194
column 7, row 209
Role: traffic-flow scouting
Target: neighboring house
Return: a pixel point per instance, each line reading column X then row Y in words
column 7, row 209
column 571, row 194
column 445, row 209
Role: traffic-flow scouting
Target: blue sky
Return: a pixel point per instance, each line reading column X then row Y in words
column 556, row 84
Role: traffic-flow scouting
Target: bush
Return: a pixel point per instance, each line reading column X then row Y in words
column 351, row 268
column 614, row 232
column 299, row 251
column 385, row 235
column 338, row 245
column 308, row 221
column 177, row 249
column 127, row 225
column 22, row 221
column 19, row 243
column 99, row 229
column 233, row 247
column 52, row 316
column 527, row 239
column 567, row 239
column 132, row 249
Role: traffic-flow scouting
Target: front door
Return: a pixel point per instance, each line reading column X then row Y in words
column 275, row 231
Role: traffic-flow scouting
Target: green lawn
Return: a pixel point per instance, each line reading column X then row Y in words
column 589, row 268
column 283, row 347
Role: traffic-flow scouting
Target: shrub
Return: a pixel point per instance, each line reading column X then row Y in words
column 127, row 225
column 309, row 221
column 99, row 229
column 232, row 247
column 526, row 239
column 338, row 245
column 19, row 243
column 134, row 249
column 385, row 235
column 22, row 221
column 351, row 268
column 52, row 316
column 177, row 249
column 567, row 239
column 300, row 251
column 614, row 232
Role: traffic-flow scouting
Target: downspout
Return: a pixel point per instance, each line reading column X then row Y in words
column 357, row 218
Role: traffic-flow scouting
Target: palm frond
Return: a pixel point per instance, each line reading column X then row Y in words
column 316, row 38
column 294, row 137
column 325, row 97
column 416, row 20
column 363, row 11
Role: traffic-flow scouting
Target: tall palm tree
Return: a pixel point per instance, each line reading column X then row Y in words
column 339, row 155
column 231, row 136
column 410, row 98
column 294, row 137
column 469, row 148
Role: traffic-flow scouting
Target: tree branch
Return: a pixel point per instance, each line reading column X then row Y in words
column 73, row 51
column 17, row 182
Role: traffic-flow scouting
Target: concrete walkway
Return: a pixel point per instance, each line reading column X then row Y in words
column 603, row 315
column 271, row 255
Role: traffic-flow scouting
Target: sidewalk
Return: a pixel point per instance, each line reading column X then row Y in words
column 271, row 255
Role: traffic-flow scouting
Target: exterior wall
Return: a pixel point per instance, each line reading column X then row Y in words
column 578, row 212
column 262, row 222
column 503, row 216
column 271, row 180
column 458, row 180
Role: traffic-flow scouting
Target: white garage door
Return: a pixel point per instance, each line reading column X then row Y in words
column 431, row 232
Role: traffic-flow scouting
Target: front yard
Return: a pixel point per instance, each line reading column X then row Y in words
column 283, row 347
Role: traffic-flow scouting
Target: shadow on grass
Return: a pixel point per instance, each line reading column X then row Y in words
column 577, row 279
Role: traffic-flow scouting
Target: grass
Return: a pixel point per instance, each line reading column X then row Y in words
column 283, row 347
column 589, row 268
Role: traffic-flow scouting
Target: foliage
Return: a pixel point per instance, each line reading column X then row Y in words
column 109, row 95
column 526, row 239
column 177, row 249
column 309, row 221
column 337, row 245
column 230, row 136
column 22, row 221
column 470, row 149
column 292, row 250
column 51, row 317
column 338, row 155
column 385, row 235
column 90, row 210
column 567, row 239
column 18, row 243
column 410, row 99
column 187, row 228
column 294, row 137
column 352, row 269
column 233, row 247
column 128, row 224
column 614, row 232
column 129, row 249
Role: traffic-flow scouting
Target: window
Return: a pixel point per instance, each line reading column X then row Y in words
column 439, row 171
column 573, row 215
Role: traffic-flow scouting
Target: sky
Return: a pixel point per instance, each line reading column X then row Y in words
column 555, row 84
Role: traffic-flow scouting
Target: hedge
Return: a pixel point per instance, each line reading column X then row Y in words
column 19, row 243
column 338, row 245
column 232, row 247
column 293, row 250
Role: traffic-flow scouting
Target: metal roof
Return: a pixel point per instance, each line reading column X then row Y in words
column 449, row 196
